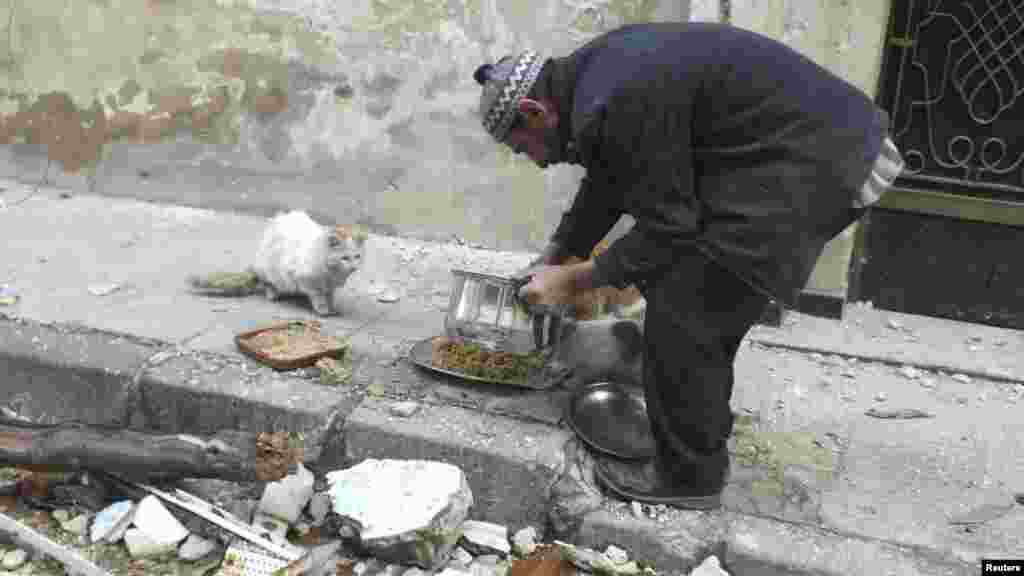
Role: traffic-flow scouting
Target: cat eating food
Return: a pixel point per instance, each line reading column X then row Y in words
column 297, row 256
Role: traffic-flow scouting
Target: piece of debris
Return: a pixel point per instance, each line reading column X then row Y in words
column 388, row 296
column 962, row 378
column 409, row 511
column 637, row 508
column 112, row 522
column 616, row 555
column 546, row 561
column 485, row 538
column 404, row 409
column 910, row 372
column 709, row 567
column 595, row 562
column 156, row 524
column 8, row 296
column 898, row 413
column 460, row 558
column 286, row 498
column 14, row 559
column 195, row 547
column 142, row 545
column 524, row 541
column 982, row 514
column 104, row 289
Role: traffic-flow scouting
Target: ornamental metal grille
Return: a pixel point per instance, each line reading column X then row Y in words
column 953, row 83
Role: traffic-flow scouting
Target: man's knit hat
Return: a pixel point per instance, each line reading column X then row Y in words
column 505, row 83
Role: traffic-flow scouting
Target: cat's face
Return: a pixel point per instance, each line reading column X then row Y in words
column 345, row 251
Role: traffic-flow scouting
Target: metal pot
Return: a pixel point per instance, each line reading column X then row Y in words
column 486, row 309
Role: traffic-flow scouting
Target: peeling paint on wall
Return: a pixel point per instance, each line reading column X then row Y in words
column 143, row 70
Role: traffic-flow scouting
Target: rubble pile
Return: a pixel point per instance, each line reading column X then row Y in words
column 376, row 518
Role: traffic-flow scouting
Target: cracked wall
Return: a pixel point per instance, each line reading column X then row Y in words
column 357, row 111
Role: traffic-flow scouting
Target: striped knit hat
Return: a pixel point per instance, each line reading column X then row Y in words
column 505, row 83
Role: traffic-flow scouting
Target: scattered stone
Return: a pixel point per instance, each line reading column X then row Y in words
column 524, row 542
column 112, row 522
column 104, row 289
column 928, row 382
column 404, row 409
column 962, row 378
column 409, row 511
column 898, row 414
column 709, row 567
column 616, row 555
column 388, row 296
column 78, row 525
column 485, row 538
column 638, row 510
column 910, row 373
column 318, row 507
column 195, row 547
column 158, row 527
column 14, row 559
column 141, row 545
column 286, row 498
column 460, row 557
column 881, row 397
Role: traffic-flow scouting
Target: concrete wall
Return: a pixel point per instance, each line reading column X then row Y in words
column 358, row 111
column 846, row 37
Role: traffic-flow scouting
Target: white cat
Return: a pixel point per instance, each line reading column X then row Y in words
column 297, row 256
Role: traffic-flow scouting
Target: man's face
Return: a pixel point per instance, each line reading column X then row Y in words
column 534, row 132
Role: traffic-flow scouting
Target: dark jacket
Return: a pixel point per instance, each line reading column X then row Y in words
column 715, row 137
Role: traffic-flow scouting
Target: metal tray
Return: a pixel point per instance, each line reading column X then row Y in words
column 422, row 355
column 612, row 419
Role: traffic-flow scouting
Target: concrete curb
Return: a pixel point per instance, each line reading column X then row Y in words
column 57, row 372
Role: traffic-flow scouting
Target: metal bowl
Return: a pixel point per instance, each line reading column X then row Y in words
column 485, row 308
column 612, row 419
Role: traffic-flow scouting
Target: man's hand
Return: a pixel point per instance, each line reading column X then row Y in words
column 553, row 255
column 554, row 285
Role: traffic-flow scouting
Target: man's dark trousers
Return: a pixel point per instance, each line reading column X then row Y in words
column 697, row 315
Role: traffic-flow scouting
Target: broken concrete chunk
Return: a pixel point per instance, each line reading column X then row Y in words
column 195, row 547
column 157, row 524
column 286, row 498
column 141, row 545
column 709, row 567
column 410, row 511
column 485, row 538
column 616, row 555
column 524, row 542
column 112, row 522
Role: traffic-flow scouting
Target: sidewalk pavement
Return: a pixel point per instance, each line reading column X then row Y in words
column 105, row 330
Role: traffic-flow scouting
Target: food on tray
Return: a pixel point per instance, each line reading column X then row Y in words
column 292, row 341
column 474, row 360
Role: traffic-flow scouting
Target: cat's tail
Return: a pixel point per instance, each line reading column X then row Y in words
column 226, row 283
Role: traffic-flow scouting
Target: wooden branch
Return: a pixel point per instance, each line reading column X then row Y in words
column 228, row 455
